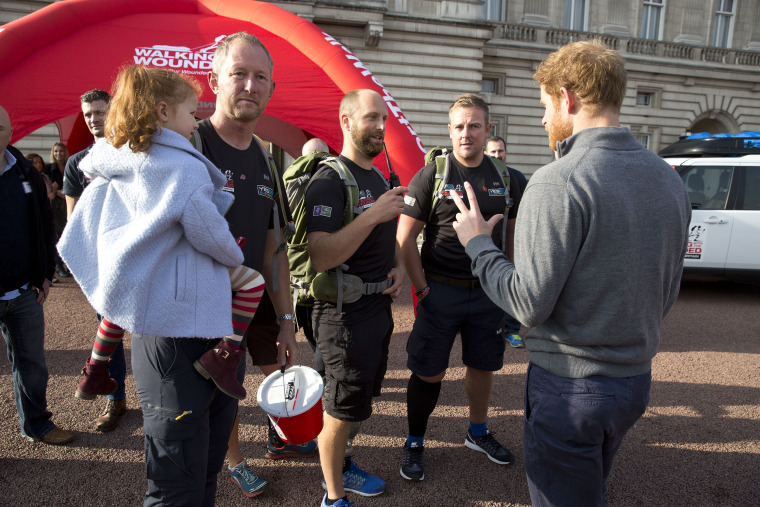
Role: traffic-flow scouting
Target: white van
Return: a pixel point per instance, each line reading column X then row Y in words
column 722, row 176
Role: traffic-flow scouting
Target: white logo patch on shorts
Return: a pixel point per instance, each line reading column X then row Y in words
column 322, row 211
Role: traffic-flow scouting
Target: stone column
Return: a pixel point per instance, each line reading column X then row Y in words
column 536, row 13
column 620, row 18
column 752, row 9
column 695, row 17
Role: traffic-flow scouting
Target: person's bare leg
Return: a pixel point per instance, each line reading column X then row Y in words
column 233, row 446
column 332, row 450
column 478, row 385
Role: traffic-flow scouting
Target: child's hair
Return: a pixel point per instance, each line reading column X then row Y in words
column 137, row 90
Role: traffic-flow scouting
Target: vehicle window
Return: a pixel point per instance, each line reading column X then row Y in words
column 708, row 186
column 751, row 199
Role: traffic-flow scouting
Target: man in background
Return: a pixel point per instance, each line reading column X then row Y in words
column 95, row 109
column 27, row 264
column 496, row 147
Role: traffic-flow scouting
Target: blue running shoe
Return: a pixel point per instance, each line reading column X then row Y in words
column 514, row 340
column 360, row 482
column 251, row 484
column 306, row 450
column 340, row 503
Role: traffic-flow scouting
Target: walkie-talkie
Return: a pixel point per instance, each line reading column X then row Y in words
column 393, row 178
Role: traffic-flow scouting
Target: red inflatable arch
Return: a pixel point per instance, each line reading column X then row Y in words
column 52, row 56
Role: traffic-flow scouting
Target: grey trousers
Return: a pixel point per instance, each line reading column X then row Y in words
column 186, row 420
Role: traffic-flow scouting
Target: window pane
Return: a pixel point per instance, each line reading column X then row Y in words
column 720, row 34
column 488, row 85
column 567, row 19
column 708, row 186
column 650, row 21
column 492, row 10
column 644, row 99
column 726, row 6
column 751, row 199
column 574, row 14
column 579, row 14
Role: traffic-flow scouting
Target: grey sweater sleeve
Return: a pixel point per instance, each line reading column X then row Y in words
column 546, row 245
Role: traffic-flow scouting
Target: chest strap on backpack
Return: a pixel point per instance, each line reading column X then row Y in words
column 350, row 211
column 503, row 173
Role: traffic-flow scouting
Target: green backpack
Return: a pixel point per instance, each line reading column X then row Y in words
column 442, row 165
column 296, row 179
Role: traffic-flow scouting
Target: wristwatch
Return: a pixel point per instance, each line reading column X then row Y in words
column 286, row 316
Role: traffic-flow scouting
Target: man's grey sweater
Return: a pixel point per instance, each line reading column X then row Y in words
column 599, row 247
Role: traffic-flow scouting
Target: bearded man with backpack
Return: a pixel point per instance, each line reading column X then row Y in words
column 450, row 298
column 359, row 272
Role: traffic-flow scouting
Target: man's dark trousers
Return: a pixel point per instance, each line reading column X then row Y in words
column 186, row 420
column 572, row 430
column 23, row 327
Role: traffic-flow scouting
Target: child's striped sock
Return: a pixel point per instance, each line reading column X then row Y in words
column 108, row 338
column 249, row 287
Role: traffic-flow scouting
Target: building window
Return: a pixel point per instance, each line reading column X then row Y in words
column 644, row 99
column 722, row 27
column 651, row 19
column 489, row 85
column 643, row 140
column 493, row 10
column 575, row 15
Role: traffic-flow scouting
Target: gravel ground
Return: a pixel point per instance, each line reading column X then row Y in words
column 698, row 444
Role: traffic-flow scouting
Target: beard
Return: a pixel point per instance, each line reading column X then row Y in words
column 559, row 129
column 363, row 141
column 242, row 115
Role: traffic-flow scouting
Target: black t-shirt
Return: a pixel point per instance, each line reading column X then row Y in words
column 74, row 180
column 52, row 172
column 441, row 251
column 249, row 179
column 324, row 203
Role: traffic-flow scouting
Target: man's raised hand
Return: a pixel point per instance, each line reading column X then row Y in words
column 469, row 222
column 388, row 206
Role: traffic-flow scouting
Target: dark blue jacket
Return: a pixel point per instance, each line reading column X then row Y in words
column 42, row 230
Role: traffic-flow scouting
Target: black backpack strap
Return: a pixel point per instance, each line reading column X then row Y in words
column 503, row 172
column 441, row 177
column 281, row 240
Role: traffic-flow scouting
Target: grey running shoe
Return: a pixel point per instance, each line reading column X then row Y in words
column 488, row 445
column 248, row 480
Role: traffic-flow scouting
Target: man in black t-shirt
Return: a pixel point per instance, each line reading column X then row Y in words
column 242, row 81
column 450, row 299
column 94, row 110
column 496, row 147
column 354, row 343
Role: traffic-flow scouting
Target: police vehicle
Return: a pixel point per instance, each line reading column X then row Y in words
column 722, row 176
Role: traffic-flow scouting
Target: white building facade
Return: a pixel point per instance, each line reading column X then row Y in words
column 694, row 65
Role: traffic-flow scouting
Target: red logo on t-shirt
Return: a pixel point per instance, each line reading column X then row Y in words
column 230, row 185
column 365, row 199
